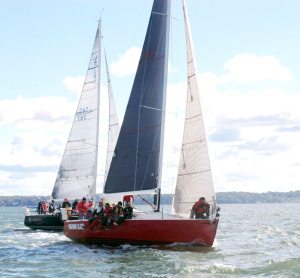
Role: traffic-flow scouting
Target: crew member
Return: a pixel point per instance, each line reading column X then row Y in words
column 66, row 204
column 200, row 209
column 82, row 208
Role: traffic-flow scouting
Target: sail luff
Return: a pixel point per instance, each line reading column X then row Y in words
column 194, row 173
column 77, row 173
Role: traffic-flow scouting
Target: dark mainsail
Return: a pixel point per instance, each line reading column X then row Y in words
column 137, row 158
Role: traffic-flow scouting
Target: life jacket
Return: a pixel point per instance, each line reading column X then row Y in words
column 119, row 211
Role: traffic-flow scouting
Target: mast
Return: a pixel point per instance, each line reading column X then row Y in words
column 157, row 199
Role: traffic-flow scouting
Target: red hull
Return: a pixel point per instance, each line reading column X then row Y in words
column 145, row 232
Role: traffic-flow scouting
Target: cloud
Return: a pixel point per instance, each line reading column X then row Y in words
column 250, row 68
column 253, row 132
column 127, row 62
column 34, row 132
column 289, row 129
column 74, row 83
column 225, row 134
column 253, row 136
column 35, row 183
column 21, row 111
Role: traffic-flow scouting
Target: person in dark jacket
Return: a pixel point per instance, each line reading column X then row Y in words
column 39, row 208
column 66, row 204
column 74, row 204
column 51, row 207
column 128, row 211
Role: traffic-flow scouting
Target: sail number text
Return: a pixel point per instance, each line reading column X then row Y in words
column 81, row 113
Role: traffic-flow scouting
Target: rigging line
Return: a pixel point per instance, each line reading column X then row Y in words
column 145, row 200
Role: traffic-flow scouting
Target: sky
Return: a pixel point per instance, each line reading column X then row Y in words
column 247, row 55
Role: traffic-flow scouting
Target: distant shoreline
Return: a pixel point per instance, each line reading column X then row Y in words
column 222, row 198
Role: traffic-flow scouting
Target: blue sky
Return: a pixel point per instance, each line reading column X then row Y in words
column 248, row 69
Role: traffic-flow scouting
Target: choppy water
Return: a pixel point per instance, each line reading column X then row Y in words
column 259, row 240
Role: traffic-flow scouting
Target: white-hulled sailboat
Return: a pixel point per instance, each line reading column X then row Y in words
column 137, row 161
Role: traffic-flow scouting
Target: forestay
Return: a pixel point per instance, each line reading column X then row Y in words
column 77, row 173
column 194, row 174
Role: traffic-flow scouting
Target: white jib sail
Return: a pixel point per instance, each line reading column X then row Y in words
column 77, row 173
column 113, row 123
column 194, row 178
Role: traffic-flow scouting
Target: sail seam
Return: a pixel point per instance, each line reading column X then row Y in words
column 189, row 143
column 194, row 173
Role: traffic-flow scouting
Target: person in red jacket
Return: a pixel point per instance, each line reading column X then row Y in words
column 106, row 219
column 82, row 208
column 200, row 209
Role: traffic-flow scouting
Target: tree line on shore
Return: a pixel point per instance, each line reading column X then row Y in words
column 222, row 198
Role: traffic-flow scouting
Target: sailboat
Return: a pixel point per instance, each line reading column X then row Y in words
column 77, row 174
column 136, row 165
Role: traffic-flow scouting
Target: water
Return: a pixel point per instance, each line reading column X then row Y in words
column 259, row 240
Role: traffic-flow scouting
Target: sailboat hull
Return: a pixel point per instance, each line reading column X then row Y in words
column 44, row 222
column 144, row 232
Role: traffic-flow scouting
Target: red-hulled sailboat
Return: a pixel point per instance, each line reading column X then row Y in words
column 137, row 161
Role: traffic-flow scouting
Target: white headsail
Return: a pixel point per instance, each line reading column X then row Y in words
column 194, row 178
column 77, row 173
column 113, row 123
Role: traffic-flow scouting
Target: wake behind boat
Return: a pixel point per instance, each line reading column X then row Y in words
column 136, row 166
